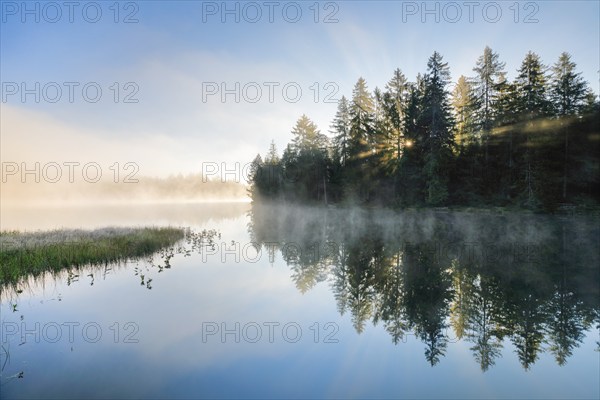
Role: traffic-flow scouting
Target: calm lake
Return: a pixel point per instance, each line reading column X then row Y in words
column 275, row 302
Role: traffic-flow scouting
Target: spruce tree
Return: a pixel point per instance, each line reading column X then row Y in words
column 463, row 103
column 532, row 104
column 567, row 93
column 532, row 87
column 568, row 89
column 340, row 128
column 489, row 70
column 437, row 123
column 362, row 119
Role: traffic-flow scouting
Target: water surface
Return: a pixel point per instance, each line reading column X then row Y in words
column 313, row 302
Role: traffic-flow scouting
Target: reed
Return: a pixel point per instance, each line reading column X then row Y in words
column 32, row 253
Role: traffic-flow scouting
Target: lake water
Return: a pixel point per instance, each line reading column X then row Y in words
column 313, row 303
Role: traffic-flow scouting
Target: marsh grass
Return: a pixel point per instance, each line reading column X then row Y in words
column 33, row 253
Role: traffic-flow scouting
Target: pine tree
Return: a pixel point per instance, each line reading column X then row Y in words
column 413, row 151
column 362, row 119
column 255, row 178
column 507, row 117
column 340, row 128
column 568, row 93
column 532, row 88
column 532, row 103
column 489, row 71
column 397, row 90
column 463, row 103
column 271, row 157
column 382, row 128
column 436, row 120
column 307, row 136
column 467, row 180
column 414, row 137
column 568, row 89
column 307, row 161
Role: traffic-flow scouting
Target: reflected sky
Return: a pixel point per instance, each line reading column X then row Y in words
column 175, row 356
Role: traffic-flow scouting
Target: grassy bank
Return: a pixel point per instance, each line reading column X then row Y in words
column 24, row 253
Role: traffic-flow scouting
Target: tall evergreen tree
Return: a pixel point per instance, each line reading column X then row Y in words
column 568, row 92
column 467, row 173
column 340, row 128
column 257, row 184
column 382, row 127
column 413, row 153
column 437, row 122
column 397, row 90
column 568, row 89
column 307, row 136
column 532, row 103
column 306, row 162
column 395, row 100
column 361, row 145
column 505, row 126
column 272, row 157
column 362, row 117
column 463, row 103
column 532, row 87
column 489, row 70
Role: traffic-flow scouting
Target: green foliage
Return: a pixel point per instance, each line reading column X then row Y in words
column 34, row 253
column 530, row 143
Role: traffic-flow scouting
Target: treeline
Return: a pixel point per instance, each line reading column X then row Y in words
column 533, row 142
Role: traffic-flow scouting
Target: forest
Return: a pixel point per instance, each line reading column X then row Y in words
column 484, row 141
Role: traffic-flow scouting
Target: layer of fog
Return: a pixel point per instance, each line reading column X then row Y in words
column 138, row 189
column 454, row 230
column 83, row 216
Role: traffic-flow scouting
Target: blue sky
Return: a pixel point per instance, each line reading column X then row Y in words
column 175, row 49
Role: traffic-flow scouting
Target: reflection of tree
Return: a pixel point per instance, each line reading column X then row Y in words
column 484, row 325
column 304, row 261
column 526, row 314
column 340, row 284
column 474, row 312
column 459, row 308
column 363, row 259
column 390, row 307
column 598, row 328
column 565, row 325
column 535, row 286
column 567, row 319
column 427, row 296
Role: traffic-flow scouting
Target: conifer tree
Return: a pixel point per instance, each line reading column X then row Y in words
column 568, row 92
column 532, row 103
column 340, row 128
column 361, row 145
column 437, row 122
column 489, row 70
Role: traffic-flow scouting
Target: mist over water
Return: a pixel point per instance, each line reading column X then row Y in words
column 489, row 278
column 37, row 190
column 503, row 296
column 88, row 216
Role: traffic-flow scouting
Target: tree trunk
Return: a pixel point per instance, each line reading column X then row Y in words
column 564, row 191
